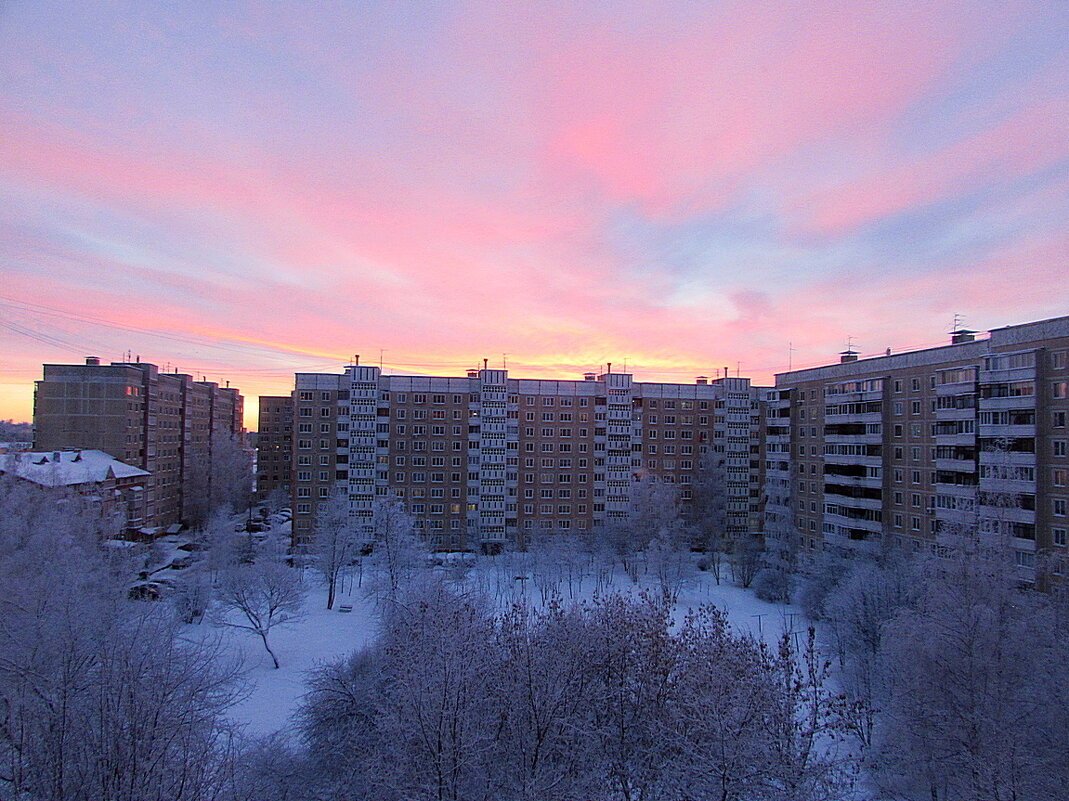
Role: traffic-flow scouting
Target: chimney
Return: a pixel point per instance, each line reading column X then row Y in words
column 356, row 359
column 485, row 362
column 847, row 356
column 702, row 380
column 961, row 336
column 92, row 361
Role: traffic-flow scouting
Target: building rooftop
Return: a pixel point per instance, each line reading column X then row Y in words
column 66, row 468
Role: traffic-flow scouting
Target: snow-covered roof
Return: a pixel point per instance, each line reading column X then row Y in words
column 66, row 468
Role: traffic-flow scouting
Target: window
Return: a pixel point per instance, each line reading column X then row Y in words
column 1058, row 536
column 1058, row 506
column 1059, row 389
column 1059, row 359
column 1058, row 447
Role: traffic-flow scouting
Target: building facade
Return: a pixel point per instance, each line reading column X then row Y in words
column 487, row 459
column 163, row 423
column 274, row 446
column 915, row 446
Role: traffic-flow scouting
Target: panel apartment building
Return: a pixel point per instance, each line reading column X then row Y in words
column 160, row 422
column 274, row 446
column 918, row 444
column 486, row 459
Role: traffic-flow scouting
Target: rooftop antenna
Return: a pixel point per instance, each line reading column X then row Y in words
column 959, row 322
column 380, row 359
column 790, row 354
column 738, row 369
column 504, row 361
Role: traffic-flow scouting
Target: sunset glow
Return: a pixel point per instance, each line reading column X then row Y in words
column 245, row 190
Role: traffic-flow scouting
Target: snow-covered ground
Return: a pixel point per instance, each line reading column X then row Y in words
column 325, row 635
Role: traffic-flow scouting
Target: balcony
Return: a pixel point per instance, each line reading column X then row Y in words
column 1008, row 403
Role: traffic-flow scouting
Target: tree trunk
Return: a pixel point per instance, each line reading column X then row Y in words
column 263, row 636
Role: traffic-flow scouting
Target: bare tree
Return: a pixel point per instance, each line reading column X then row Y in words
column 259, row 597
column 708, row 509
column 336, row 541
column 746, row 560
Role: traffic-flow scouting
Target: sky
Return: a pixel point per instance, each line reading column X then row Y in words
column 242, row 190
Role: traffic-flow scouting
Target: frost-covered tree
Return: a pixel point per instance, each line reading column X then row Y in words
column 399, row 551
column 608, row 700
column 223, row 479
column 100, row 697
column 976, row 672
column 653, row 510
column 336, row 541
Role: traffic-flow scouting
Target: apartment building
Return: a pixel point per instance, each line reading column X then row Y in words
column 274, row 440
column 487, row 459
column 160, row 422
column 915, row 445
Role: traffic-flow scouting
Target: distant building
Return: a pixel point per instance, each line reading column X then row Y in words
column 486, row 459
column 161, row 422
column 274, row 443
column 911, row 446
column 15, row 447
column 117, row 489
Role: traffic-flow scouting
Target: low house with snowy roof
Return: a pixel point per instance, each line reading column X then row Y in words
column 117, row 487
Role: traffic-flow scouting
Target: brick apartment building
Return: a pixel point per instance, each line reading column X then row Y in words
column 274, row 445
column 486, row 459
column 160, row 422
column 916, row 444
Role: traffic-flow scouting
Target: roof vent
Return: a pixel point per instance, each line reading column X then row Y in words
column 590, row 376
column 92, row 361
column 847, row 356
column 702, row 380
